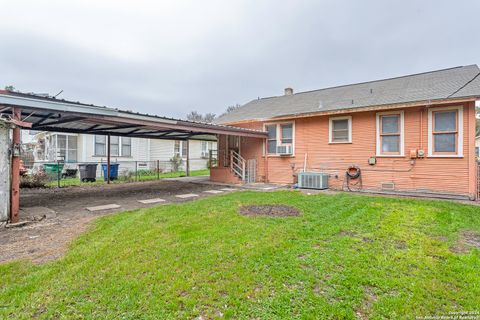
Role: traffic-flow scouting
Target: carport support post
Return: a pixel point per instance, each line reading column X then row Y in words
column 108, row 159
column 15, row 195
column 188, row 158
column 5, row 178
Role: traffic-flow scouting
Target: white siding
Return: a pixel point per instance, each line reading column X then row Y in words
column 139, row 150
column 161, row 149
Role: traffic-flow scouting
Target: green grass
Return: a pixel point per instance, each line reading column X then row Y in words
column 346, row 255
column 68, row 182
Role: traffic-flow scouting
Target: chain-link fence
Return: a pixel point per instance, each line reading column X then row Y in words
column 61, row 174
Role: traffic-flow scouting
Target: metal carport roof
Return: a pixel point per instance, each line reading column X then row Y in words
column 45, row 113
column 51, row 114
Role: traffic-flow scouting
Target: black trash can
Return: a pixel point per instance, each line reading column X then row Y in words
column 88, row 172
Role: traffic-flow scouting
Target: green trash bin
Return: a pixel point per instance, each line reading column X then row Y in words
column 53, row 167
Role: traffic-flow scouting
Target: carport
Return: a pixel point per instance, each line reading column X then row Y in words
column 43, row 113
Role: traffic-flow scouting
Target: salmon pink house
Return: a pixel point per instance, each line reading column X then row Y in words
column 413, row 134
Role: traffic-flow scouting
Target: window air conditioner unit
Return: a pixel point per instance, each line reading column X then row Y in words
column 284, row 150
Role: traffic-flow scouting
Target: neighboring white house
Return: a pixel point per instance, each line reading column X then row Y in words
column 130, row 153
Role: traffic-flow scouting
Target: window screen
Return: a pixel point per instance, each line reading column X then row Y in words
column 390, row 134
column 445, row 131
column 272, row 139
column 340, row 130
column 287, row 133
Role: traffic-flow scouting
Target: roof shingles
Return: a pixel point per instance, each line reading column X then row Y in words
column 455, row 82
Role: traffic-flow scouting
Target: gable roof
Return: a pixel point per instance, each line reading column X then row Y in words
column 458, row 82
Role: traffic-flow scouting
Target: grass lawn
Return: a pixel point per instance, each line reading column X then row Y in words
column 67, row 182
column 346, row 256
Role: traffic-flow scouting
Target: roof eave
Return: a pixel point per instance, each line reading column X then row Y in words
column 358, row 109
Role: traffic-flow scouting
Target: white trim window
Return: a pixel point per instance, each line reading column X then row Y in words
column 340, row 130
column 390, row 134
column 272, row 138
column 180, row 148
column 280, row 134
column 66, row 147
column 445, row 132
column 114, row 146
column 119, row 146
column 100, row 145
column 205, row 147
column 126, row 143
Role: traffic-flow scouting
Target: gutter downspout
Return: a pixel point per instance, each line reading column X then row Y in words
column 266, row 161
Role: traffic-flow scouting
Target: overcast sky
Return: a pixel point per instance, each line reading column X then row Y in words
column 171, row 57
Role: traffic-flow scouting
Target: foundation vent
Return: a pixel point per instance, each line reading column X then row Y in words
column 388, row 186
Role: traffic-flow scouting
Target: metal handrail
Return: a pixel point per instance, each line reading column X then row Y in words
column 238, row 167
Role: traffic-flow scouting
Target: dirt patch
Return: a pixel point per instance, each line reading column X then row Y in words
column 269, row 210
column 368, row 300
column 466, row 241
column 472, row 239
column 347, row 233
column 401, row 245
column 42, row 241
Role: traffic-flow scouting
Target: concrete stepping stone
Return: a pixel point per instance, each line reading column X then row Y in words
column 104, row 207
column 213, row 191
column 228, row 189
column 149, row 201
column 185, row 196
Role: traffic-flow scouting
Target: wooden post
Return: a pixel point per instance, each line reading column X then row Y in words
column 108, row 159
column 158, row 169
column 188, row 158
column 15, row 195
column 58, row 173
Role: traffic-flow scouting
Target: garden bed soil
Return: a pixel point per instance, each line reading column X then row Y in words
column 269, row 210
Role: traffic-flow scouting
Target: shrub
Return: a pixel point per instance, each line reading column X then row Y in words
column 34, row 180
column 145, row 172
column 176, row 162
column 128, row 176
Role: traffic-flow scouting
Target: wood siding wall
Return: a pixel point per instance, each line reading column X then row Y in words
column 438, row 175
